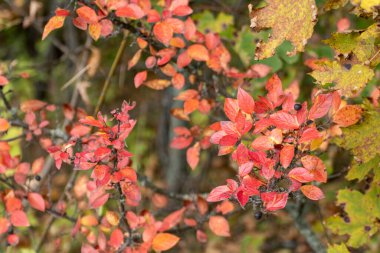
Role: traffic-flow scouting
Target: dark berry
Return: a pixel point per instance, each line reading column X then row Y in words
column 367, row 228
column 347, row 66
column 347, row 219
column 258, row 215
column 37, row 177
column 297, row 107
column 309, row 122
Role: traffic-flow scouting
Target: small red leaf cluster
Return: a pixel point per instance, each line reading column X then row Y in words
column 270, row 140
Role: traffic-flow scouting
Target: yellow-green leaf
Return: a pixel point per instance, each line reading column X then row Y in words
column 363, row 211
column 362, row 139
column 349, row 81
column 337, row 248
column 289, row 20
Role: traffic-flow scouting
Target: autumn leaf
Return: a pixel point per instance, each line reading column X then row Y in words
column 36, row 201
column 348, row 115
column 164, row 241
column 274, row 201
column 320, row 106
column 54, row 23
column 157, row 84
column 3, row 80
column 94, row 30
column 18, row 219
column 4, row 225
column 301, row 175
column 286, row 155
column 362, row 139
column 198, row 52
column 192, row 155
column 219, row 226
column 87, row 14
column 140, row 78
column 312, row 192
column 116, row 238
column 4, row 125
column 132, row 11
column 284, row 120
column 163, row 32
column 289, row 20
column 349, row 81
column 245, row 101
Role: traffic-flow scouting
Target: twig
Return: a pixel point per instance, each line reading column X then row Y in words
column 304, row 228
column 107, row 82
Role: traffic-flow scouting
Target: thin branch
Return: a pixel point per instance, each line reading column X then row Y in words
column 115, row 63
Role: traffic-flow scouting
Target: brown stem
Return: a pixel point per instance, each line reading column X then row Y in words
column 107, row 82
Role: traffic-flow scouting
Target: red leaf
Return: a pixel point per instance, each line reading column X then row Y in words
column 87, row 14
column 4, row 225
column 163, row 32
column 286, row 155
column 231, row 108
column 3, row 80
column 309, row 134
column 274, row 201
column 219, row 193
column 245, row 169
column 192, row 155
column 182, row 11
column 19, row 219
column 245, row 101
column 190, row 29
column 301, row 175
column 219, row 226
column 284, row 120
column 116, row 238
column 172, row 220
column 262, row 143
column 312, row 192
column 320, row 106
column 316, row 167
column 132, row 11
column 201, row 236
column 36, row 201
column 140, row 78
column 98, row 198
column 198, row 52
column 164, row 241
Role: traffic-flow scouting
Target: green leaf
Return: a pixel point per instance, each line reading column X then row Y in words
column 363, row 211
column 364, row 44
column 362, row 139
column 349, row 81
column 360, row 170
column 337, row 248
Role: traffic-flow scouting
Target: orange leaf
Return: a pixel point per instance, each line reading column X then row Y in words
column 164, row 241
column 284, row 120
column 140, row 78
column 132, row 11
column 178, row 81
column 286, row 155
column 219, row 226
column 87, row 14
column 19, row 219
column 32, row 105
column 4, row 125
column 136, row 57
column 198, row 52
column 36, row 201
column 89, row 220
column 4, row 225
column 94, row 30
column 163, row 32
column 3, row 80
column 157, row 84
column 116, row 238
column 245, row 101
column 190, row 105
column 312, row 192
column 192, row 155
column 54, row 23
column 348, row 115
